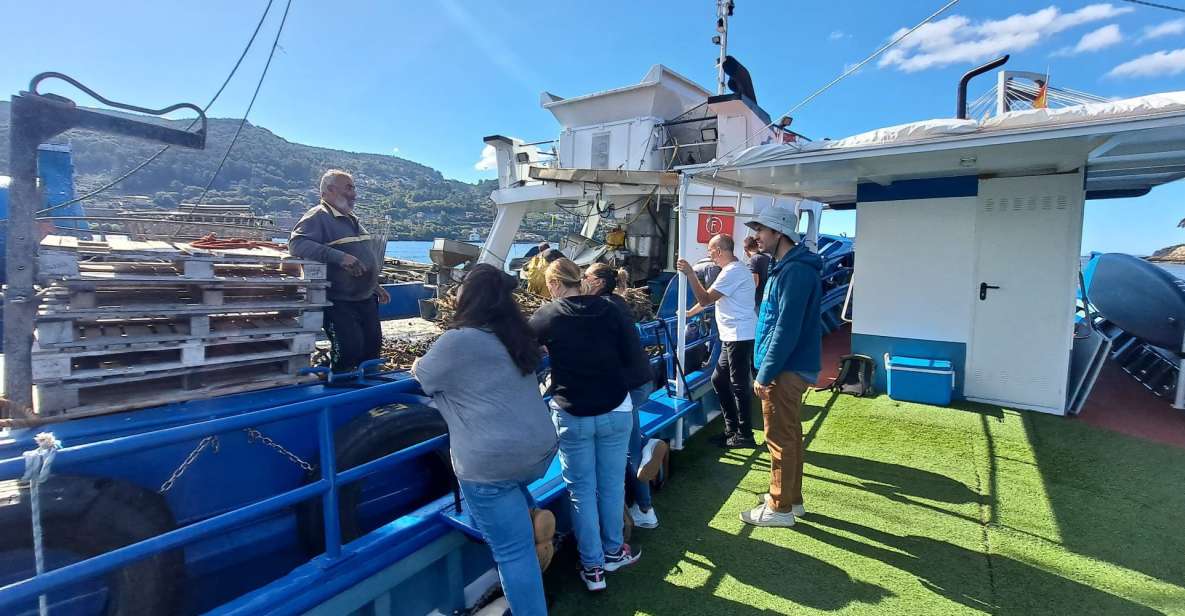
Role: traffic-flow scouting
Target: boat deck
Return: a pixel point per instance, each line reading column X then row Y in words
column 921, row 510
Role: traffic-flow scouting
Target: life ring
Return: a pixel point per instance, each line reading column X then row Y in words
column 83, row 517
column 376, row 500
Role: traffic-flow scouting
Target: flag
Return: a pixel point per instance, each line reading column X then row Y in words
column 1042, row 99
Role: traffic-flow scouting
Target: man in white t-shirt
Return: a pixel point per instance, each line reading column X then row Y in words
column 733, row 294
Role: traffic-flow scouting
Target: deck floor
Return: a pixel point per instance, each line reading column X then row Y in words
column 915, row 510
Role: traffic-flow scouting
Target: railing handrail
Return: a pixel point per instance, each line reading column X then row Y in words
column 326, row 486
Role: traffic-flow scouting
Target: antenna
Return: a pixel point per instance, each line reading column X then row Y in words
column 723, row 12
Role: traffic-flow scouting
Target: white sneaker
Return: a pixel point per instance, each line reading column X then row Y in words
column 653, row 455
column 798, row 510
column 497, row 607
column 764, row 515
column 644, row 519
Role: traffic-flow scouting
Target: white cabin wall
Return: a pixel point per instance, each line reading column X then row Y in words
column 914, row 268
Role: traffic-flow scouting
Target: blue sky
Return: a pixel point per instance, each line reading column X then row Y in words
column 427, row 80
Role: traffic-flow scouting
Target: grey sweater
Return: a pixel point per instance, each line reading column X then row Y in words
column 499, row 427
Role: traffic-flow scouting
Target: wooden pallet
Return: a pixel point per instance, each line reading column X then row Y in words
column 110, row 396
column 145, row 359
column 82, row 295
column 69, row 258
column 87, row 332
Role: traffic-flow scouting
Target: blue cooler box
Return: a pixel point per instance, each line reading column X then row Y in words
column 914, row 379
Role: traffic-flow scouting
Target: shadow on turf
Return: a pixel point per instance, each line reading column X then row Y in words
column 687, row 539
column 958, row 573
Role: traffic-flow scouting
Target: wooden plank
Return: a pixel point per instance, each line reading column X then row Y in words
column 49, row 371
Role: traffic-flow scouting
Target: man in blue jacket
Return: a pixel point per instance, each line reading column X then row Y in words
column 786, row 357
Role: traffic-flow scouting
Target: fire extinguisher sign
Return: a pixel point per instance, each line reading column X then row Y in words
column 714, row 224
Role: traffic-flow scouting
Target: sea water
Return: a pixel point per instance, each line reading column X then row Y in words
column 418, row 251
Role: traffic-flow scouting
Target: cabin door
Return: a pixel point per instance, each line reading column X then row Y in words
column 1028, row 236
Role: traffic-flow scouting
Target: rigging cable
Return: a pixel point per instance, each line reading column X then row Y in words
column 210, row 104
column 842, row 76
column 1157, row 6
column 271, row 54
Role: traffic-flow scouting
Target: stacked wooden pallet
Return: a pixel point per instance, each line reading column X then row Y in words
column 125, row 324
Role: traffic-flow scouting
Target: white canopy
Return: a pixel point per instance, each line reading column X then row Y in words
column 1127, row 146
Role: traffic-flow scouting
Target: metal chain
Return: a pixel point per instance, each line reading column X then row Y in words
column 189, row 460
column 254, row 435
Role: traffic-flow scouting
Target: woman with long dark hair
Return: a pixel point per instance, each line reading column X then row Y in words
column 645, row 459
column 481, row 374
column 588, row 343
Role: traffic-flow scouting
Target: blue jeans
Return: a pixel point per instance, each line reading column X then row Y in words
column 592, row 460
column 639, row 489
column 502, row 513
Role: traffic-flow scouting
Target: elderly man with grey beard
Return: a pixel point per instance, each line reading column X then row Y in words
column 331, row 233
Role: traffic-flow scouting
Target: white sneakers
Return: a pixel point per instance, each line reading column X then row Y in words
column 644, row 519
column 653, row 454
column 764, row 514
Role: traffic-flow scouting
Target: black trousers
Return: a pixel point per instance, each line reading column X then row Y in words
column 732, row 385
column 354, row 331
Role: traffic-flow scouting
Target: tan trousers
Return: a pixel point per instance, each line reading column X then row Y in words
column 783, row 436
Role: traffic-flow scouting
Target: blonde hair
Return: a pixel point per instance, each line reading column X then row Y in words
column 328, row 177
column 563, row 271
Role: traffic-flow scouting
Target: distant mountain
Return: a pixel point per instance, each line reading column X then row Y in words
column 277, row 177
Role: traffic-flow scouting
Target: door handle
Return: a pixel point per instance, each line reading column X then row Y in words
column 983, row 289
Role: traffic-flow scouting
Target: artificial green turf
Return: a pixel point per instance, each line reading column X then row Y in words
column 913, row 510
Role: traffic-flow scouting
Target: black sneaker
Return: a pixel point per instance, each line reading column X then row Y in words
column 623, row 558
column 593, row 578
column 739, row 441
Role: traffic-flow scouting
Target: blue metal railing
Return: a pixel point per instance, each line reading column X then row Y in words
column 326, row 487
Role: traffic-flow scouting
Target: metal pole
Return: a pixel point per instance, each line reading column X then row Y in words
column 333, row 529
column 21, row 252
column 722, row 28
column 681, row 322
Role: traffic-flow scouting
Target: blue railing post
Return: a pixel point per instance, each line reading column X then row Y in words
column 333, row 530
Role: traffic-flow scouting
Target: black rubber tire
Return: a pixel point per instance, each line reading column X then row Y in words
column 376, row 433
column 90, row 516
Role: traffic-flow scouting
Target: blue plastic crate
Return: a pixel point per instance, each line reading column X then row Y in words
column 916, row 379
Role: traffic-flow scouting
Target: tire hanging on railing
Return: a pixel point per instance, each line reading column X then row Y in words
column 376, row 433
column 83, row 517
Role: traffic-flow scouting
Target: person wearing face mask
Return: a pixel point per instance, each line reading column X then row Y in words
column 331, row 233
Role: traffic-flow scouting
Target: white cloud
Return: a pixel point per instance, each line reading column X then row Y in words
column 957, row 40
column 1094, row 40
column 1159, row 64
column 1168, row 28
column 836, row 35
column 488, row 161
column 394, row 150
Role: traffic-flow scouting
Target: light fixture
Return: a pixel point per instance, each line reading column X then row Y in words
column 708, row 134
column 967, row 161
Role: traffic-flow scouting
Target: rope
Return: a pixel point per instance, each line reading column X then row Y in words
column 37, row 467
column 210, row 242
column 243, row 122
column 146, row 162
column 850, row 70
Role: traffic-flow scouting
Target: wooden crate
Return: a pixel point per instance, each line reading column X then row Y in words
column 88, row 398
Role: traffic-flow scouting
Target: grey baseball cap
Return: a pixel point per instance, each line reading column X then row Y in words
column 779, row 218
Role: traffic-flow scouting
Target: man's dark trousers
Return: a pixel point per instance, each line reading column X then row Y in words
column 354, row 330
column 731, row 382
